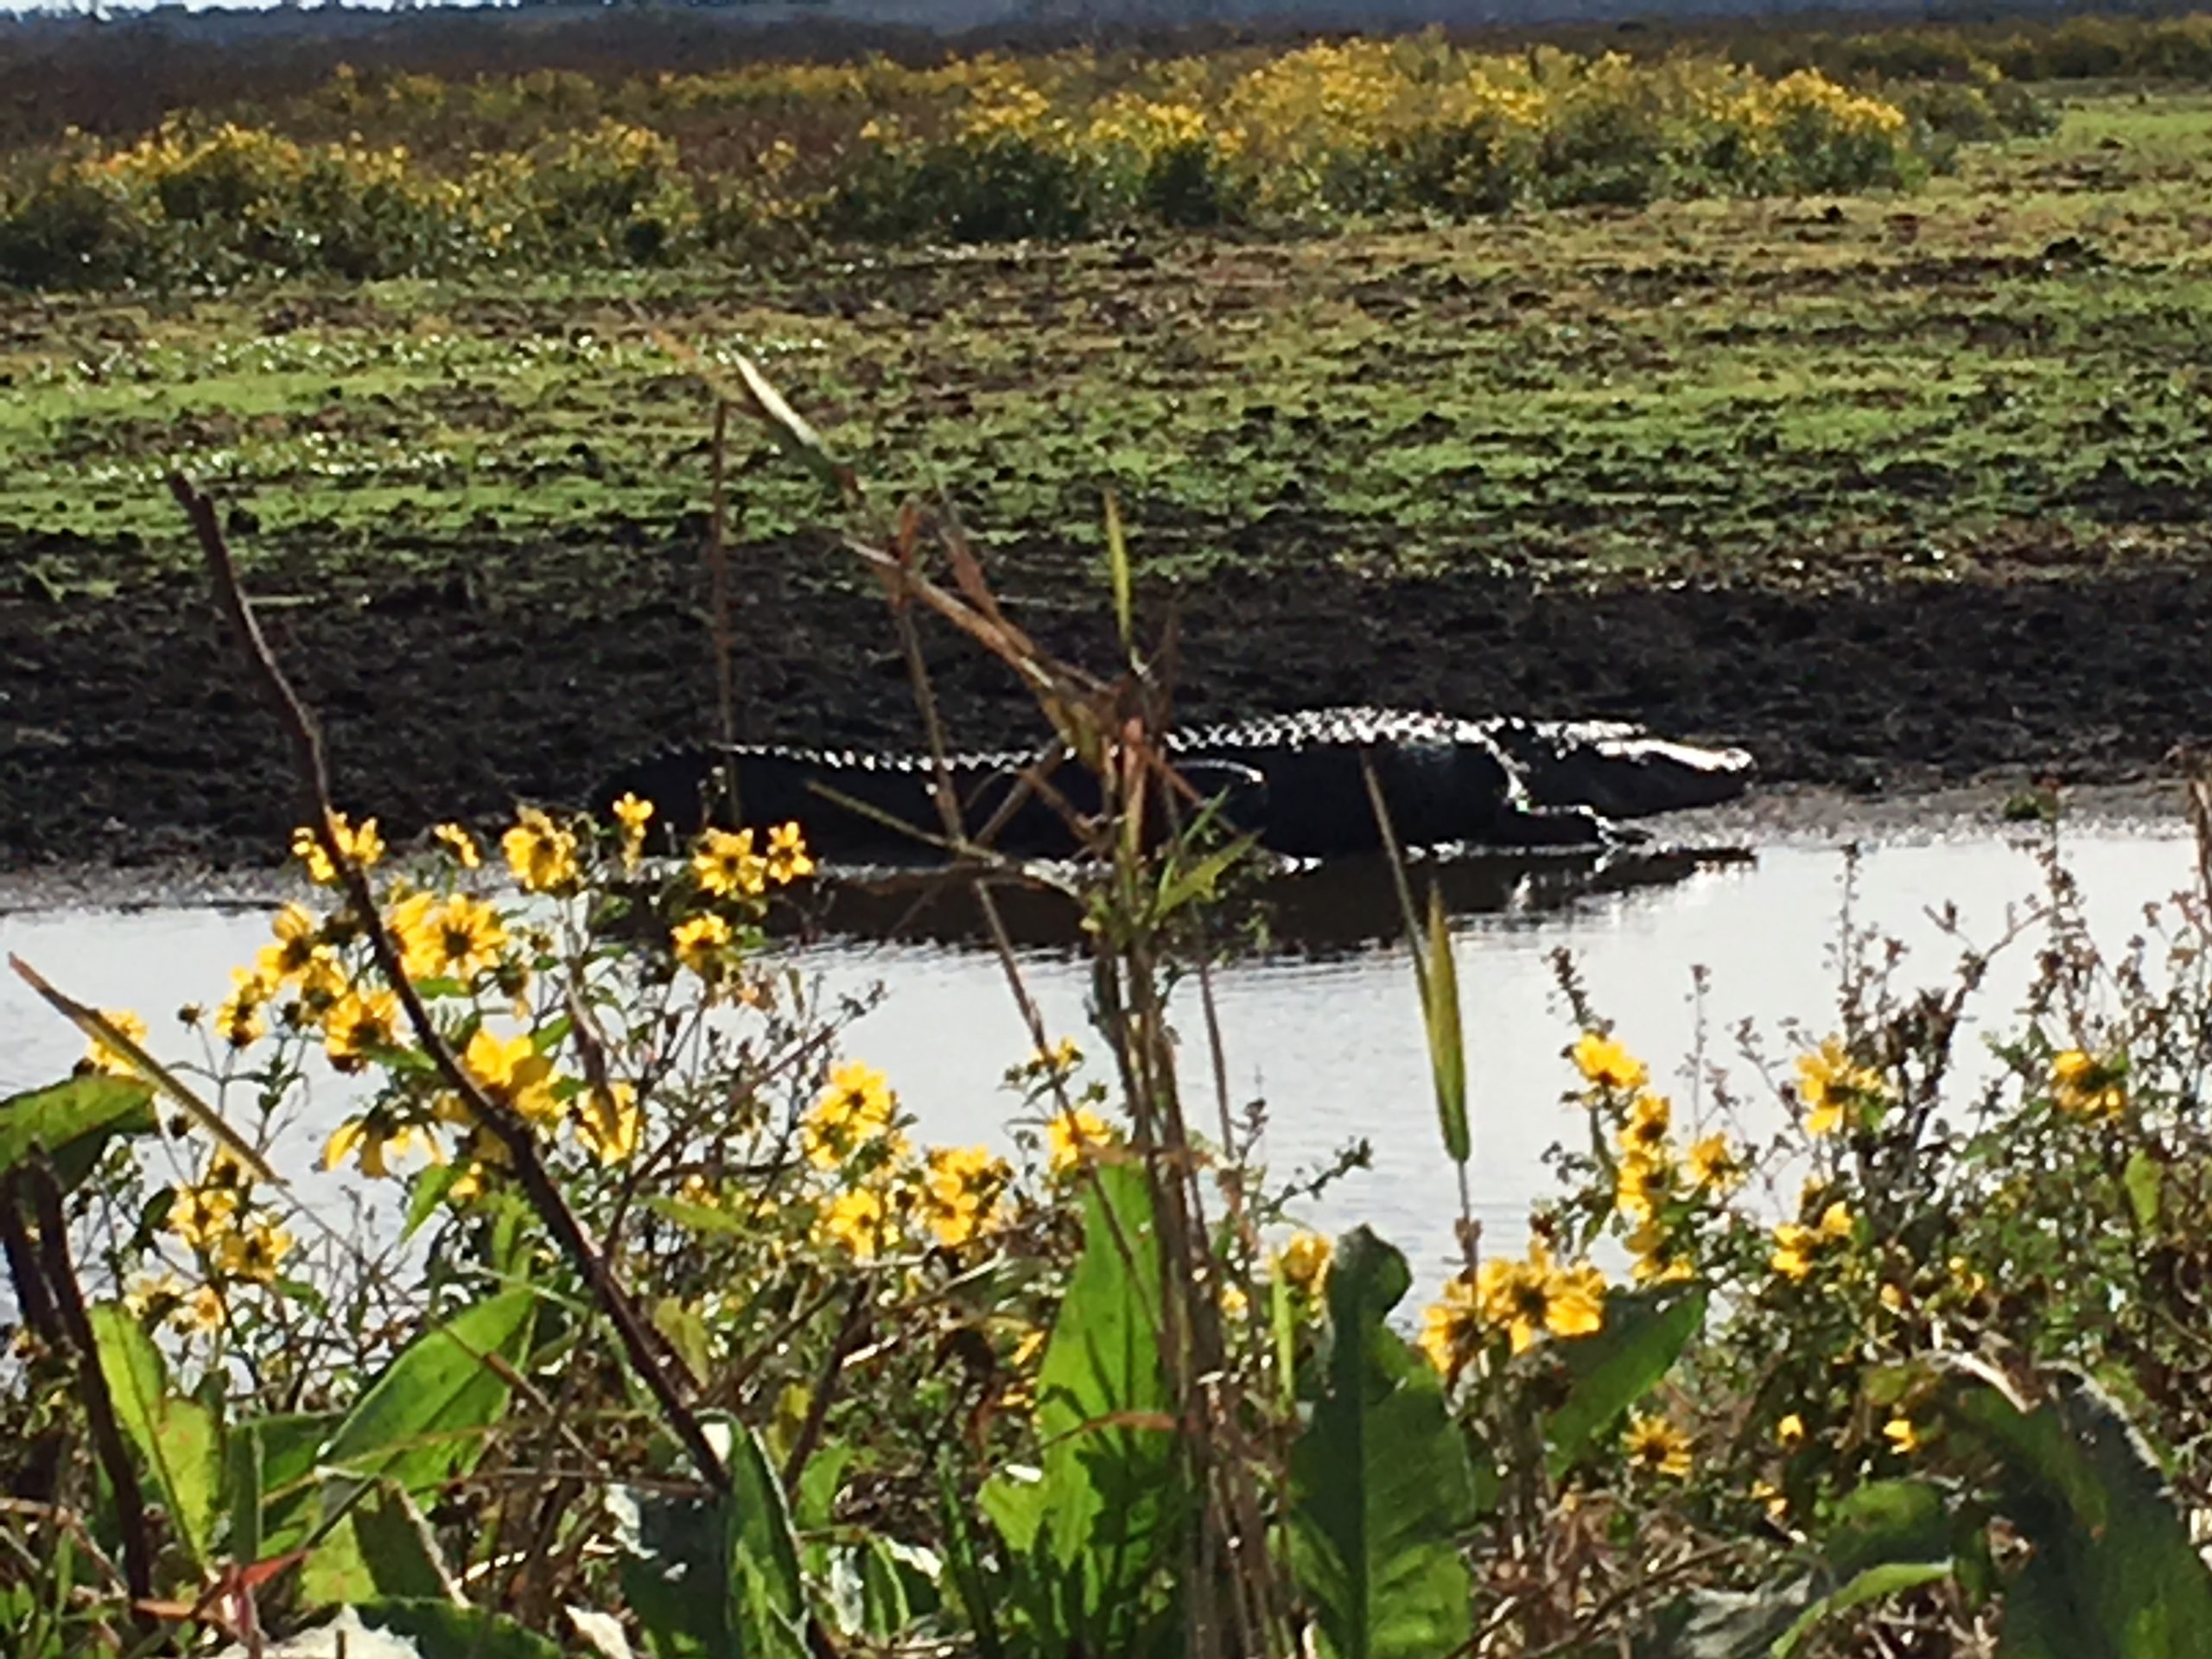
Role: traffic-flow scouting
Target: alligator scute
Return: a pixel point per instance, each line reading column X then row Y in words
column 1297, row 782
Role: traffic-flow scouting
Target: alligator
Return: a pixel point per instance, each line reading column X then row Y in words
column 1295, row 782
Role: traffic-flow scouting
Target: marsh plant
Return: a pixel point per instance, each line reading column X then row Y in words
column 683, row 1339
column 982, row 149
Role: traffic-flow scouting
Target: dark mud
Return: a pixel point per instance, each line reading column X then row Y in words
column 127, row 734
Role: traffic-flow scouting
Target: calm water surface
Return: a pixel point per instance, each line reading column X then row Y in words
column 1331, row 1043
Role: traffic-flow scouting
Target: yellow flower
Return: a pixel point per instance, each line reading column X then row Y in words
column 458, row 842
column 1527, row 1299
column 1058, row 1060
column 1452, row 1330
column 239, row 1020
column 1790, row 1432
column 455, row 938
column 1829, row 1084
column 1653, row 1264
column 203, row 1311
column 1641, row 1185
column 1903, row 1438
column 1656, row 1446
column 1715, row 1165
column 699, row 943
column 202, row 1214
column 787, row 855
column 254, row 1252
column 857, row 1222
column 632, row 815
column 1795, row 1246
column 110, row 1062
column 1303, row 1262
column 1644, row 1134
column 299, row 941
column 1769, row 1496
column 153, row 1294
column 857, row 1109
column 728, row 867
column 1608, row 1064
column 372, row 1140
column 1071, row 1136
column 960, row 1191
column 512, row 1074
column 2083, row 1087
column 609, row 1122
column 541, row 854
column 356, row 1025
column 363, row 846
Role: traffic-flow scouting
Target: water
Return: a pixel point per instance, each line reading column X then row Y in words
column 1332, row 1041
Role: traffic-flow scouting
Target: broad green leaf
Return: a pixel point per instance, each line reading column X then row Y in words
column 675, row 1561
column 379, row 1547
column 72, row 1123
column 1882, row 1539
column 1892, row 1579
column 1094, row 1525
column 1885, row 1522
column 181, row 1439
column 277, row 1454
column 1380, row 1480
column 1447, row 1046
column 421, row 1422
column 768, row 1600
column 1644, row 1333
column 441, row 1631
column 2112, row 1574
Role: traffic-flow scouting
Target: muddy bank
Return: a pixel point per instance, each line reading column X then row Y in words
column 127, row 734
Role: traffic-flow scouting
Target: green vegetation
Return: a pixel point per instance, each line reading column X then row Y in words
column 538, row 172
column 2003, row 365
column 686, row 1342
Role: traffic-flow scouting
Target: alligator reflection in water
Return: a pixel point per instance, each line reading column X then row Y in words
column 1311, row 909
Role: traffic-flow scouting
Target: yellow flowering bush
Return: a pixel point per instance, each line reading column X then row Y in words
column 977, row 148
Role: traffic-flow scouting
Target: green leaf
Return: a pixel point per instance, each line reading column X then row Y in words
column 72, row 1123
column 99, row 1028
column 1644, row 1332
column 674, row 1559
column 2112, row 1574
column 442, row 1630
column 1117, row 566
column 1892, row 1579
column 1885, row 1522
column 2143, row 1178
column 277, row 1454
column 181, row 1439
column 1380, row 1483
column 421, row 1423
column 797, row 438
column 1447, row 1048
column 380, row 1546
column 1094, row 1526
column 768, row 1600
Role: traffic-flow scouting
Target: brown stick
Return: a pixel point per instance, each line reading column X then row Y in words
column 100, row 1408
column 639, row 1341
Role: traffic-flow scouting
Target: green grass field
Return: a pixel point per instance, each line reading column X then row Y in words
column 2009, row 364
